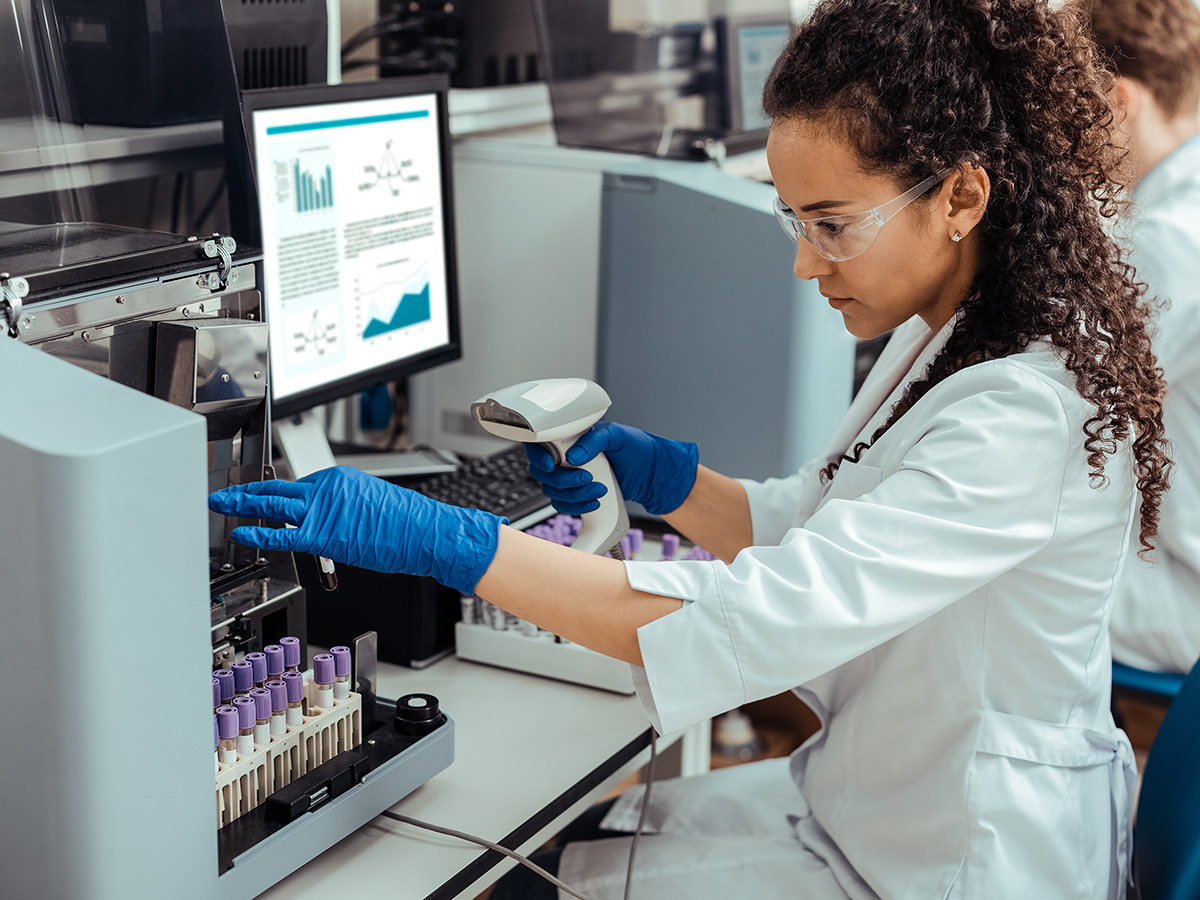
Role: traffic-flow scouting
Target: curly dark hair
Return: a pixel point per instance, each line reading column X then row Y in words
column 916, row 86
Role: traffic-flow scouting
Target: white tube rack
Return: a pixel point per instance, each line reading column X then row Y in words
column 542, row 655
column 245, row 784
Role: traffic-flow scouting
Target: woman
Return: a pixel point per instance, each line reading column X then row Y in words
column 939, row 581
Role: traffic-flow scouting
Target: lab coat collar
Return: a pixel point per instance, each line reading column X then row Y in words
column 1180, row 165
column 907, row 355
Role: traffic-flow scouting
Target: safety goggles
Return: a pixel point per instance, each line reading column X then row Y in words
column 839, row 238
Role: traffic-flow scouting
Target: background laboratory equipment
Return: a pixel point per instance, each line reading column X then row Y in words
column 143, row 369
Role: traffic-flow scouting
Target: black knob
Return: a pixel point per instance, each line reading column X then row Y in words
column 417, row 715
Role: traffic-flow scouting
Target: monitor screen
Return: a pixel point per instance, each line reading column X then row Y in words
column 758, row 46
column 354, row 216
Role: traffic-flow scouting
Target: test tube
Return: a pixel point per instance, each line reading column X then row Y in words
column 225, row 679
column 258, row 665
column 637, row 538
column 274, row 654
column 216, row 694
column 262, row 715
column 341, row 673
column 247, row 716
column 323, row 666
column 670, row 547
column 216, row 746
column 295, row 697
column 291, row 653
column 467, row 605
column 243, row 678
column 279, row 707
column 227, row 729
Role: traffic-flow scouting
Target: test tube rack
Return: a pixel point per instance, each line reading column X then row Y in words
column 246, row 784
column 543, row 654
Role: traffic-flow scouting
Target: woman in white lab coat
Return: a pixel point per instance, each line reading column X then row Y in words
column 938, row 582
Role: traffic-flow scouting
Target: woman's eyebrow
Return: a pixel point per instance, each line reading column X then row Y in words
column 823, row 204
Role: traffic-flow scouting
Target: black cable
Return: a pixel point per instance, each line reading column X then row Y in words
column 412, row 65
column 378, row 29
column 642, row 815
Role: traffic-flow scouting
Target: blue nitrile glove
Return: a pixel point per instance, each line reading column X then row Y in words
column 651, row 470
column 358, row 519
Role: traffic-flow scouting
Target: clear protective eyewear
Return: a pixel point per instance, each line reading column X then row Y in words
column 843, row 237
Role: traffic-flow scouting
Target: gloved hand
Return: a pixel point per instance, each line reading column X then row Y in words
column 358, row 519
column 651, row 470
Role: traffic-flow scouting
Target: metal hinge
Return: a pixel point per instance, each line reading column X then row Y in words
column 12, row 293
column 221, row 248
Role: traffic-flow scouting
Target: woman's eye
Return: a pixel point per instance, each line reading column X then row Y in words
column 832, row 229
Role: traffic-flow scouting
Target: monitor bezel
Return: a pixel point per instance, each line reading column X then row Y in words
column 247, row 221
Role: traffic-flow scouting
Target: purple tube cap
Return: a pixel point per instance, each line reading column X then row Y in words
column 295, row 686
column 274, row 654
column 216, row 731
column 227, row 722
column 341, row 660
column 225, row 678
column 243, row 676
column 262, row 702
column 247, row 714
column 278, row 691
column 636, row 538
column 323, row 668
column 216, row 692
column 670, row 546
column 258, row 664
column 291, row 650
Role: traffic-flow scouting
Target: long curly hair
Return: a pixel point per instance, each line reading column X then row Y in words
column 916, row 86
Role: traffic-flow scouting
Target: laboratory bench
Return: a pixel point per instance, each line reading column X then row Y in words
column 531, row 753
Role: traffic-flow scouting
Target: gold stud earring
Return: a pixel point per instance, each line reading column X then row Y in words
column 956, row 238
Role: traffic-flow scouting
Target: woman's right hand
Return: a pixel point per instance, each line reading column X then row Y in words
column 651, row 470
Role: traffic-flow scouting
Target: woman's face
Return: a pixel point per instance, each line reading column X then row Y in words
column 913, row 267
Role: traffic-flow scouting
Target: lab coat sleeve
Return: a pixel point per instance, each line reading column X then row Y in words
column 1166, row 255
column 976, row 491
column 778, row 505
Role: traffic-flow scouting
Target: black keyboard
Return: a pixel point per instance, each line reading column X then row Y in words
column 499, row 483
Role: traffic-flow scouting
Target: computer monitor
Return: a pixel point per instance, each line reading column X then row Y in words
column 353, row 207
column 749, row 47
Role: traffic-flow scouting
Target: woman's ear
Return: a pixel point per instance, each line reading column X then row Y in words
column 969, row 189
column 1128, row 95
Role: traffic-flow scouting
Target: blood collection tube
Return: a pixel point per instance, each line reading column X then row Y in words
column 258, row 665
column 227, row 729
column 216, row 694
column 225, row 679
column 243, row 678
column 467, row 609
column 295, row 697
column 291, row 653
column 246, row 718
column 274, row 654
column 670, row 547
column 278, row 707
column 341, row 673
column 637, row 538
column 216, row 746
column 262, row 715
column 326, row 572
column 323, row 667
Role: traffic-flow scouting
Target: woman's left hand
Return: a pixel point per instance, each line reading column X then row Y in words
column 358, row 519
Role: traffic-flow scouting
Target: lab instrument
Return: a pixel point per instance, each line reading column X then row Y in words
column 555, row 412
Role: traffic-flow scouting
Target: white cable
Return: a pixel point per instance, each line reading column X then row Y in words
column 485, row 843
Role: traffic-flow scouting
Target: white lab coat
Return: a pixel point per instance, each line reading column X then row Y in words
column 1156, row 617
column 944, row 606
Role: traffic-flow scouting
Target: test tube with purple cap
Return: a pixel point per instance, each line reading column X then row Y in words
column 247, row 716
column 258, row 665
column 225, row 679
column 274, row 654
column 279, row 705
column 341, row 673
column 227, row 731
column 295, row 697
column 243, row 678
column 291, row 653
column 262, row 715
column 323, row 668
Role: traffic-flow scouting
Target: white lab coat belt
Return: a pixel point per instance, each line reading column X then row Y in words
column 1072, row 746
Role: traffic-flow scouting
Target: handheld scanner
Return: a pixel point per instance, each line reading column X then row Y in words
column 555, row 412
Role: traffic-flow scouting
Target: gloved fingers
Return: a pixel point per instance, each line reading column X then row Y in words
column 247, row 505
column 269, row 538
column 600, row 437
column 274, row 487
column 593, row 490
column 565, row 478
column 540, row 460
column 575, row 509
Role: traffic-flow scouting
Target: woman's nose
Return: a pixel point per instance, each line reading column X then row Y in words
column 809, row 263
